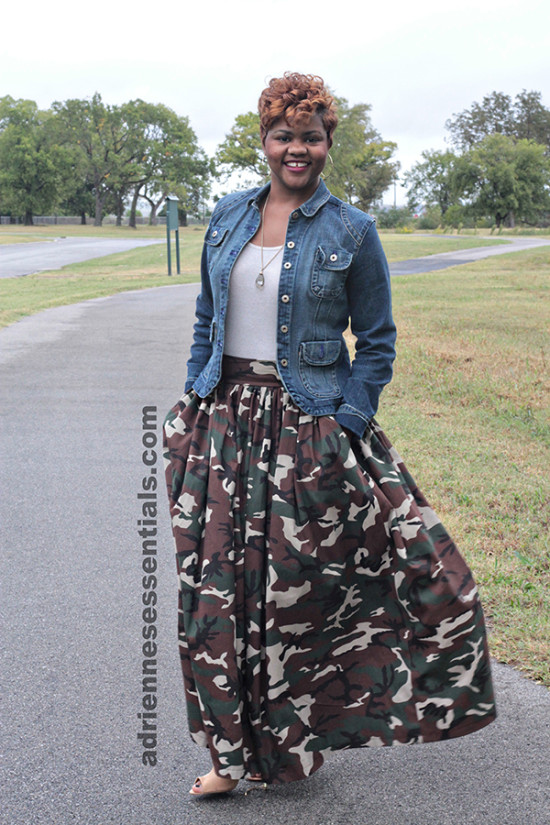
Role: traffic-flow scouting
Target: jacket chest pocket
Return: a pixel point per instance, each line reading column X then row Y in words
column 330, row 269
column 215, row 236
column 214, row 242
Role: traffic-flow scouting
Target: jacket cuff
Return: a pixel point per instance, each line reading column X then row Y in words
column 351, row 420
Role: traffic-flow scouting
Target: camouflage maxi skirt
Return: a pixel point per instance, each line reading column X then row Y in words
column 322, row 605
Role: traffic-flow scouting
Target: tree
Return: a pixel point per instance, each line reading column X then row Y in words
column 76, row 197
column 32, row 165
column 172, row 162
column 506, row 179
column 501, row 167
column 242, row 151
column 363, row 169
column 135, row 150
column 526, row 117
column 131, row 148
column 433, row 181
column 532, row 118
column 106, row 148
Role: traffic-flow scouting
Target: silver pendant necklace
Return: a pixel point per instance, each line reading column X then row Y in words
column 260, row 280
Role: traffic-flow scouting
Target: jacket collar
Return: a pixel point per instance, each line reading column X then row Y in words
column 309, row 208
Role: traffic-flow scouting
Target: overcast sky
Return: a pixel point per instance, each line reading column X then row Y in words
column 416, row 63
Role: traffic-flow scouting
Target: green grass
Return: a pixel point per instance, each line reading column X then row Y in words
column 25, row 234
column 468, row 410
column 402, row 247
column 19, row 237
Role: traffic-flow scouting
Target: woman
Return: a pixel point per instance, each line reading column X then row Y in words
column 322, row 604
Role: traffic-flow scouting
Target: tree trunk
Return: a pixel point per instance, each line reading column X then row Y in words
column 28, row 217
column 119, row 211
column 182, row 214
column 133, row 208
column 83, row 218
column 98, row 211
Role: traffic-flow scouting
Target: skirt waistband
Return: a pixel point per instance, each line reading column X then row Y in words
column 250, row 371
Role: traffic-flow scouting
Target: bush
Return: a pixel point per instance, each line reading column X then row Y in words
column 430, row 218
column 394, row 217
column 454, row 216
column 484, row 223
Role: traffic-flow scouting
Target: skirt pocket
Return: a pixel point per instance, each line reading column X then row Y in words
column 336, row 498
column 177, row 434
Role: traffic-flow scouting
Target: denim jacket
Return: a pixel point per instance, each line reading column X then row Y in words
column 333, row 269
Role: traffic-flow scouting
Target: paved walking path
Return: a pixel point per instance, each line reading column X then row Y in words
column 444, row 260
column 26, row 258
column 74, row 381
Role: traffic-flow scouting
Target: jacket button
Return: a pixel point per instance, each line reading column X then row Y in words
column 333, row 257
column 284, row 328
column 284, row 362
column 287, row 265
column 285, row 299
column 294, row 215
column 214, row 233
column 291, row 244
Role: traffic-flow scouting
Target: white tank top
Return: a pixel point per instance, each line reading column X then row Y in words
column 251, row 323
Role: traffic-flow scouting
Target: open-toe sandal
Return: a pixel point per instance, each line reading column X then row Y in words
column 197, row 789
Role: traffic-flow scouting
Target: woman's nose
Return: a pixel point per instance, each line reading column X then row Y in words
column 297, row 147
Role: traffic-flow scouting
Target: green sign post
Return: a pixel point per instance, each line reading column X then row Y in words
column 172, row 223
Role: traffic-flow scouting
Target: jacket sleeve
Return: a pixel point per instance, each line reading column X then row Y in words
column 201, row 348
column 369, row 296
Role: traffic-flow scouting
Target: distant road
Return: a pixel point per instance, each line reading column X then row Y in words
column 26, row 258
column 443, row 260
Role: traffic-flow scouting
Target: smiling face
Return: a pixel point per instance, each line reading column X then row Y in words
column 296, row 155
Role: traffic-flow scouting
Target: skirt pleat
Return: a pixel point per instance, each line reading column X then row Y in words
column 322, row 604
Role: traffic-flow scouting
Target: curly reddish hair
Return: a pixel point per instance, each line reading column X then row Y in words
column 296, row 97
